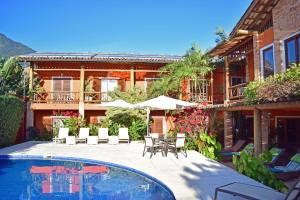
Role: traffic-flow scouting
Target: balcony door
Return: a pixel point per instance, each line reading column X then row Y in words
column 61, row 88
column 107, row 85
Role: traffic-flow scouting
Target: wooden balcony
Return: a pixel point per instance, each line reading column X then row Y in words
column 199, row 97
column 236, row 92
column 56, row 97
column 96, row 97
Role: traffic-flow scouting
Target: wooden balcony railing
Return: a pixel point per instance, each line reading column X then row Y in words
column 56, row 97
column 236, row 92
column 96, row 97
column 199, row 97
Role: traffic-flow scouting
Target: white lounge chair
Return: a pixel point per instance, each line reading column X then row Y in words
column 123, row 135
column 62, row 134
column 83, row 135
column 103, row 134
column 237, row 190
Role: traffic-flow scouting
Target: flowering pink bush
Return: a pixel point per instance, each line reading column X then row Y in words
column 66, row 113
column 191, row 121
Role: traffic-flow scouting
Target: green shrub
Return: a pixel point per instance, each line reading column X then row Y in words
column 32, row 133
column 74, row 123
column 137, row 129
column 209, row 146
column 113, row 129
column 280, row 87
column 11, row 114
column 94, row 129
column 254, row 168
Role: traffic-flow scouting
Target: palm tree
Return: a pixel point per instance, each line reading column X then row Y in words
column 194, row 65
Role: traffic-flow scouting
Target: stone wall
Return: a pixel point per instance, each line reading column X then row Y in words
column 286, row 21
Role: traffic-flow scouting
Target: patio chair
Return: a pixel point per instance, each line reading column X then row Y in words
column 234, row 149
column 123, row 135
column 83, row 135
column 246, row 191
column 62, row 134
column 289, row 171
column 178, row 145
column 103, row 135
column 151, row 145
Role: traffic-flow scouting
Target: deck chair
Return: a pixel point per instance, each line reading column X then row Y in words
column 245, row 191
column 234, row 149
column 151, row 145
column 291, row 170
column 83, row 135
column 103, row 135
column 178, row 145
column 123, row 135
column 62, row 134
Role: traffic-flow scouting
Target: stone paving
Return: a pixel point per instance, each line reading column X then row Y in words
column 194, row 177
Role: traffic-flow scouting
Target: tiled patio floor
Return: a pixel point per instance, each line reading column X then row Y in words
column 194, row 177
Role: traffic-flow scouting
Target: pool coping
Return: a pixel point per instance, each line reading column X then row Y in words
column 91, row 161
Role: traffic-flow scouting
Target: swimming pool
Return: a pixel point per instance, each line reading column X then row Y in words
column 67, row 178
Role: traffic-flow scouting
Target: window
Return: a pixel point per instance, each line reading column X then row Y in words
column 268, row 66
column 61, row 84
column 107, row 85
column 235, row 80
column 292, row 50
column 61, row 88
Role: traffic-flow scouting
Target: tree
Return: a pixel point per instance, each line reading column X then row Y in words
column 11, row 77
column 194, row 65
column 221, row 35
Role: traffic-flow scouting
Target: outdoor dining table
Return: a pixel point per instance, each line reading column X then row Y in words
column 165, row 142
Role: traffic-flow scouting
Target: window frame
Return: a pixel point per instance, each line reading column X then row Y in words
column 262, row 56
column 68, row 77
column 294, row 38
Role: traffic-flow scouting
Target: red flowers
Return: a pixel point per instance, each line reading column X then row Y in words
column 191, row 120
column 66, row 113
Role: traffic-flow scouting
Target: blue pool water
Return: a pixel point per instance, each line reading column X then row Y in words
column 56, row 179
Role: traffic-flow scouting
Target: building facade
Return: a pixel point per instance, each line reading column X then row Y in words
column 265, row 41
column 80, row 82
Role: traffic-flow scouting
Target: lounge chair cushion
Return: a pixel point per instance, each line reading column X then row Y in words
column 275, row 153
column 296, row 158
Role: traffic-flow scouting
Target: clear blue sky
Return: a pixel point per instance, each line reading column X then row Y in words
column 133, row 26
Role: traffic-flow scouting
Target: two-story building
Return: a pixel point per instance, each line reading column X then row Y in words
column 81, row 81
column 265, row 41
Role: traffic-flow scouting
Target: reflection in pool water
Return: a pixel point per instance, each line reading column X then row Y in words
column 53, row 179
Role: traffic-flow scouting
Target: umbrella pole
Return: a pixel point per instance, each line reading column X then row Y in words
column 148, row 119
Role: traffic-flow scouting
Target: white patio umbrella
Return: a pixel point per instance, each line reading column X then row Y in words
column 162, row 103
column 117, row 104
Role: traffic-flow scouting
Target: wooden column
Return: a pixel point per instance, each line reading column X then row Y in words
column 81, row 95
column 257, row 132
column 256, row 56
column 31, row 78
column 212, row 86
column 132, row 77
column 227, row 80
column 81, row 83
column 247, row 70
column 228, row 136
column 265, row 129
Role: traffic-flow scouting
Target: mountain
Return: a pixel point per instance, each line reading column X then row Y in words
column 8, row 47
